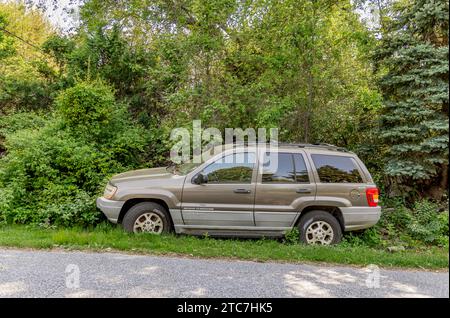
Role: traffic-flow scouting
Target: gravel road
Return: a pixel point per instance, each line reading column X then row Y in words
column 25, row 273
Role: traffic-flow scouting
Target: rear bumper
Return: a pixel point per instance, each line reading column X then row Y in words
column 110, row 208
column 357, row 218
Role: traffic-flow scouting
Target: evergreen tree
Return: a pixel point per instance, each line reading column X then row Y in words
column 414, row 126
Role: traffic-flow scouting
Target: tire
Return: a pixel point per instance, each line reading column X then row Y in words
column 330, row 230
column 153, row 218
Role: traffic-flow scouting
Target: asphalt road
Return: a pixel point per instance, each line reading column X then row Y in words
column 25, row 273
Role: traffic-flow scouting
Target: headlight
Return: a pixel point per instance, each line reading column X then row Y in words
column 110, row 190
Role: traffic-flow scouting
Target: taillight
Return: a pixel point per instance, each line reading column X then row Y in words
column 372, row 196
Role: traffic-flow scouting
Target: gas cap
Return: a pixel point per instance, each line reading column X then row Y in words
column 355, row 194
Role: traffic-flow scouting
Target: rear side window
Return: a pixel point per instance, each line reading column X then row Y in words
column 336, row 169
column 284, row 168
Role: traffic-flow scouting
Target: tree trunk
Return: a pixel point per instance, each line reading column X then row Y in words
column 309, row 104
column 310, row 76
column 437, row 191
column 444, row 178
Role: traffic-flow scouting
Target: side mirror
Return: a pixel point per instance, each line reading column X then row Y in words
column 200, row 178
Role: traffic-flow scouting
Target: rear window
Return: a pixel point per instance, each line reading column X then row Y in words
column 336, row 169
column 284, row 168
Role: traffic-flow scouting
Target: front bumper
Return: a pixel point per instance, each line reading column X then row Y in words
column 110, row 208
column 357, row 218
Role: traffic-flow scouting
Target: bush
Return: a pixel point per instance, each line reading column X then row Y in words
column 20, row 120
column 423, row 224
column 52, row 174
column 370, row 237
column 428, row 224
column 87, row 106
column 292, row 236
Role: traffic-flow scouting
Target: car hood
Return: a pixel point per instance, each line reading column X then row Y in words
column 142, row 174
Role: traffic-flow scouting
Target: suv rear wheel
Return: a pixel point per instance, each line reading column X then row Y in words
column 319, row 227
column 148, row 217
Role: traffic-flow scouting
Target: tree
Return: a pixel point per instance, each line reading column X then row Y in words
column 6, row 44
column 22, row 84
column 413, row 56
column 305, row 64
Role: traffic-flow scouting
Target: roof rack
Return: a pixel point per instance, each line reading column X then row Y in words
column 314, row 145
column 299, row 145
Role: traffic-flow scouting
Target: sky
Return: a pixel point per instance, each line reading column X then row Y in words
column 65, row 21
column 57, row 14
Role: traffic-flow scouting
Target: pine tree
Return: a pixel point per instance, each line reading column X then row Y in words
column 415, row 123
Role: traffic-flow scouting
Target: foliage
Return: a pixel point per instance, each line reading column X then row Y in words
column 370, row 237
column 20, row 120
column 105, row 54
column 234, row 64
column 292, row 236
column 86, row 107
column 73, row 105
column 413, row 57
column 22, row 85
column 426, row 227
column 6, row 45
column 426, row 223
column 52, row 173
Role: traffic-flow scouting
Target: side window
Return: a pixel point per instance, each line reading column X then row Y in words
column 278, row 167
column 233, row 168
column 336, row 169
column 284, row 168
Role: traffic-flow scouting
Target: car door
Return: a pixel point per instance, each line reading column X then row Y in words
column 227, row 199
column 284, row 185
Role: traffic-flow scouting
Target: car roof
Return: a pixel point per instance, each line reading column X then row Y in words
column 317, row 147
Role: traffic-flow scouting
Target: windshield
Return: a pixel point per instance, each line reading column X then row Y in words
column 183, row 168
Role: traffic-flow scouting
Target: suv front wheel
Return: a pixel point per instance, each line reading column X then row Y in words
column 319, row 227
column 148, row 217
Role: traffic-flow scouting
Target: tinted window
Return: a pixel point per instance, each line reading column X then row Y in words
column 301, row 173
column 278, row 167
column 234, row 168
column 336, row 169
column 284, row 168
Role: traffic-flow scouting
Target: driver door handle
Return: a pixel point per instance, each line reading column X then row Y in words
column 242, row 191
column 303, row 191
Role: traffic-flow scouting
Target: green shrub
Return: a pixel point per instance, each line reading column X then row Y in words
column 87, row 106
column 370, row 237
column 292, row 236
column 52, row 174
column 398, row 217
column 422, row 225
column 428, row 224
column 20, row 120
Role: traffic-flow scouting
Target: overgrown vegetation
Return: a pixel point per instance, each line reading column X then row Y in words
column 414, row 122
column 55, row 166
column 425, row 223
column 107, row 237
column 78, row 107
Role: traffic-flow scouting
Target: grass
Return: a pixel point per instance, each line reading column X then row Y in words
column 112, row 237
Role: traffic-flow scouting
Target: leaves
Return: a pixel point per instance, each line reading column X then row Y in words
column 55, row 167
column 74, row 110
column 415, row 88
